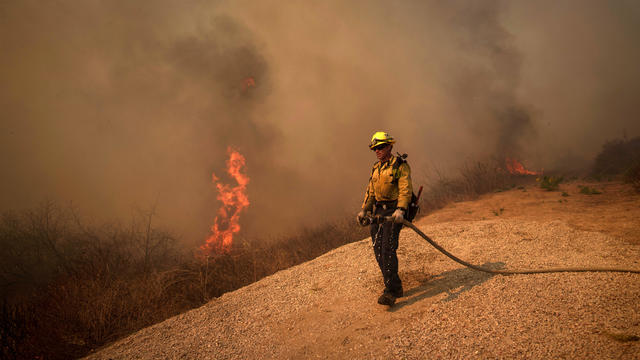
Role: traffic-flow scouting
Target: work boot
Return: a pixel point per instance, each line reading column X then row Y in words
column 386, row 299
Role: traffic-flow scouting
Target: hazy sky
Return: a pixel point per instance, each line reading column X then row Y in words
column 113, row 105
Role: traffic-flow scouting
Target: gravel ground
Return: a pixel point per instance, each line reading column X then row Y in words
column 326, row 308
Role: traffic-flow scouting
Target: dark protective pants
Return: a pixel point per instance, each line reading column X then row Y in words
column 385, row 244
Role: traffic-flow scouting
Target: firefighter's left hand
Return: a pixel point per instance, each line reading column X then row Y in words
column 398, row 216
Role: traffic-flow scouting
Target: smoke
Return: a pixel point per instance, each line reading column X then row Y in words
column 117, row 105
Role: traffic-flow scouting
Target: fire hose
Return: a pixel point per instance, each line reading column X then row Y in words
column 380, row 219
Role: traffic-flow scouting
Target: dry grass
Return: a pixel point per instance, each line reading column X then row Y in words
column 474, row 179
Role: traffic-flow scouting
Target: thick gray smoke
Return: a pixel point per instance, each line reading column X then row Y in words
column 114, row 105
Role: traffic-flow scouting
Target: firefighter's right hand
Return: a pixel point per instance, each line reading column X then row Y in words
column 361, row 218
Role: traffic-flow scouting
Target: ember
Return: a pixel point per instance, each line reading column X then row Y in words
column 234, row 201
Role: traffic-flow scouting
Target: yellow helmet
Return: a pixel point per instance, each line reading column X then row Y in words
column 380, row 138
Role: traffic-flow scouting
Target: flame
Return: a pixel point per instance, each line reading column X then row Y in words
column 248, row 82
column 234, row 201
column 516, row 168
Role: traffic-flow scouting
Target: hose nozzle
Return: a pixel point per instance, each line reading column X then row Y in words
column 374, row 219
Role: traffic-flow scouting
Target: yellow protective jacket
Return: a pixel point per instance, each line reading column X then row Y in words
column 387, row 184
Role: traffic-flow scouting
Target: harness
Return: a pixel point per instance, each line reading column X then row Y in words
column 414, row 205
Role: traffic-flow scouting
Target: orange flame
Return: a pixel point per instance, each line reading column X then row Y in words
column 248, row 82
column 234, row 201
column 516, row 168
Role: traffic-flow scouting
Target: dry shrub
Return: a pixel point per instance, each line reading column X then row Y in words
column 617, row 157
column 473, row 180
column 632, row 175
column 69, row 288
column 589, row 191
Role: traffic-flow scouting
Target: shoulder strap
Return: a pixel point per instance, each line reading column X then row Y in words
column 399, row 161
column 395, row 168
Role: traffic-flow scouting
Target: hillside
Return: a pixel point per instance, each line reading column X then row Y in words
column 326, row 308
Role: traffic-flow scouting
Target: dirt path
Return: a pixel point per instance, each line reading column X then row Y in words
column 326, row 308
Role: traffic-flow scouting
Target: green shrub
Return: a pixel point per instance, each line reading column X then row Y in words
column 589, row 191
column 550, row 183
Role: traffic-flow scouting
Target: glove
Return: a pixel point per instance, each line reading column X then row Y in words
column 362, row 218
column 398, row 216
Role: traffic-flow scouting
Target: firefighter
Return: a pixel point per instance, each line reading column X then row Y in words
column 388, row 194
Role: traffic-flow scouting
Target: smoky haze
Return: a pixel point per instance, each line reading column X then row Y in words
column 118, row 105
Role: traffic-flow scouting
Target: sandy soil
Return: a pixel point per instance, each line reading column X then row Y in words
column 326, row 308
